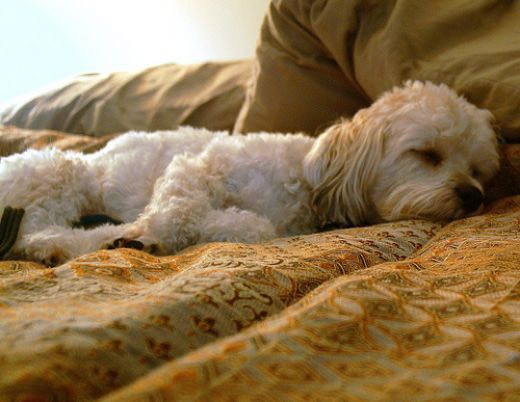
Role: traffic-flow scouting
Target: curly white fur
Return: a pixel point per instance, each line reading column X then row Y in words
column 420, row 151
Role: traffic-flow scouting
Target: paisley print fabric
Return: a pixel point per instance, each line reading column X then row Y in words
column 405, row 311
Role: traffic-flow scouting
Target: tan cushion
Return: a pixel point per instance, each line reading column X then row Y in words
column 14, row 140
column 318, row 60
column 162, row 97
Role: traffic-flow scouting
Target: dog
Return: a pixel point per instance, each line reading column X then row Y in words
column 418, row 152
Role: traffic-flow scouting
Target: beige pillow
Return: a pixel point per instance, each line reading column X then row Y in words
column 162, row 97
column 321, row 59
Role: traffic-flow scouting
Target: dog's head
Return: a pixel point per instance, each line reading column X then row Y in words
column 420, row 151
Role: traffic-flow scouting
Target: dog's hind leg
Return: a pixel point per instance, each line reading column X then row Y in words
column 54, row 188
column 235, row 225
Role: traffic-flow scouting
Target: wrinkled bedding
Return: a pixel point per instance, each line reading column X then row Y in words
column 403, row 311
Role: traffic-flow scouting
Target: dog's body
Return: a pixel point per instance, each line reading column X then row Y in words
column 418, row 152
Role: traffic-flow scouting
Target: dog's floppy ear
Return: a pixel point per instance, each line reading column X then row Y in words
column 340, row 168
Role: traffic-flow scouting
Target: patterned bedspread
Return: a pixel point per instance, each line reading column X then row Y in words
column 406, row 311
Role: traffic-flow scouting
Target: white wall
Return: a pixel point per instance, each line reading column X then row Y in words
column 42, row 41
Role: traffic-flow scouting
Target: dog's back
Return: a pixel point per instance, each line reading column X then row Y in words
column 253, row 172
column 129, row 166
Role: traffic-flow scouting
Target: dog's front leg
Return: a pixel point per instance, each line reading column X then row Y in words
column 180, row 200
column 54, row 244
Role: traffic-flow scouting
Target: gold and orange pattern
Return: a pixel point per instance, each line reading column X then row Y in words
column 406, row 311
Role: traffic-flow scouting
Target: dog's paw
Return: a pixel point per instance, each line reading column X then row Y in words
column 133, row 244
column 54, row 259
column 126, row 243
column 50, row 256
column 47, row 251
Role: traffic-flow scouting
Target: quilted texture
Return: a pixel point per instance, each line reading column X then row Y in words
column 443, row 325
column 118, row 315
column 405, row 311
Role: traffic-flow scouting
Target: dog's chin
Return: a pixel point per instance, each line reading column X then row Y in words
column 478, row 211
column 441, row 206
column 435, row 216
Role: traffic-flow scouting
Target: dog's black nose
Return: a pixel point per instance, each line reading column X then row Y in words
column 470, row 196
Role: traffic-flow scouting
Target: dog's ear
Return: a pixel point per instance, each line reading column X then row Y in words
column 340, row 168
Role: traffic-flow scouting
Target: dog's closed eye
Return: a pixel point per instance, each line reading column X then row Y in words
column 476, row 173
column 428, row 156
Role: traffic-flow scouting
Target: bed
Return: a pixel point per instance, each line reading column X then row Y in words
column 403, row 311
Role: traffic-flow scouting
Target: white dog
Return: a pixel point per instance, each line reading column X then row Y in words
column 420, row 151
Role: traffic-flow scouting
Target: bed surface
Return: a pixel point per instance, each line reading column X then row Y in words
column 406, row 311
column 401, row 311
